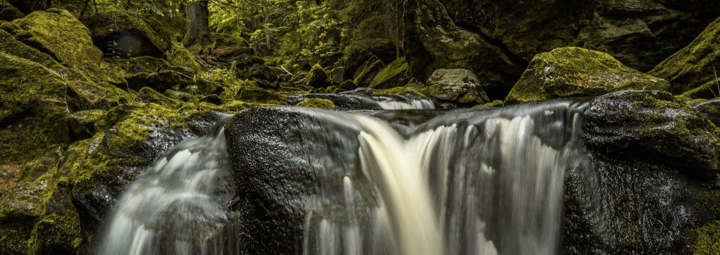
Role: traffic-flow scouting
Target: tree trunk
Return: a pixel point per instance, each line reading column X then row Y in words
column 198, row 30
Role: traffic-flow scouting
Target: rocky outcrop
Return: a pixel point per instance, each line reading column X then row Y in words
column 577, row 72
column 457, row 86
column 637, row 197
column 317, row 77
column 695, row 66
column 59, row 34
column 495, row 38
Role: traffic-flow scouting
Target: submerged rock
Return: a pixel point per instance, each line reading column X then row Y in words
column 459, row 86
column 695, row 65
column 578, row 72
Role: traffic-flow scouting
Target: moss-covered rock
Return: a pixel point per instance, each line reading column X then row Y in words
column 693, row 66
column 317, row 77
column 458, row 86
column 364, row 75
column 121, row 34
column 59, row 34
column 10, row 45
column 711, row 110
column 82, row 123
column 707, row 240
column 395, row 74
column 179, row 56
column 578, row 72
column 317, row 103
column 33, row 109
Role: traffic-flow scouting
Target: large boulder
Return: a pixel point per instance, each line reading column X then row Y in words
column 638, row 33
column 459, row 86
column 695, row 65
column 281, row 165
column 578, row 72
column 648, row 189
column 59, row 34
column 654, row 126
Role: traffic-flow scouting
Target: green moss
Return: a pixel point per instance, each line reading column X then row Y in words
column 692, row 67
column 59, row 34
column 577, row 72
column 180, row 56
column 708, row 239
column 317, row 77
column 364, row 75
column 317, row 103
column 392, row 75
column 105, row 25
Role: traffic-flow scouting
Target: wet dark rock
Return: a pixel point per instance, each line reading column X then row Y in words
column 458, row 86
column 710, row 109
column 342, row 101
column 280, row 166
column 264, row 76
column 577, row 72
column 653, row 126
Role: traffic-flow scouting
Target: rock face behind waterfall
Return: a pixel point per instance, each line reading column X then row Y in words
column 276, row 156
column 650, row 189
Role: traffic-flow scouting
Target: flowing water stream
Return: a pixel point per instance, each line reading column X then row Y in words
column 477, row 181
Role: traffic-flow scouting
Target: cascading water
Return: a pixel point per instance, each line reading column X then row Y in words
column 404, row 103
column 476, row 182
column 178, row 206
column 481, row 181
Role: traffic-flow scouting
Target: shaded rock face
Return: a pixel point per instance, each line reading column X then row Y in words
column 695, row 66
column 638, row 33
column 122, row 35
column 577, row 72
column 654, row 160
column 459, row 86
column 436, row 41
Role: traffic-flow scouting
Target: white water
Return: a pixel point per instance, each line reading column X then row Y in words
column 482, row 183
column 491, row 187
column 413, row 104
column 177, row 206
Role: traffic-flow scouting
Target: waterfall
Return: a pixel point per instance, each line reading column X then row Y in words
column 178, row 206
column 478, row 181
column 401, row 102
